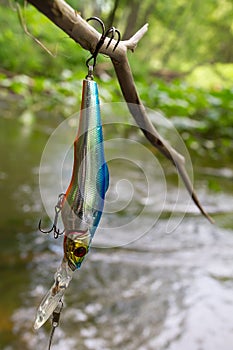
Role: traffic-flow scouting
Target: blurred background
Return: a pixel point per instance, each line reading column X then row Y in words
column 163, row 290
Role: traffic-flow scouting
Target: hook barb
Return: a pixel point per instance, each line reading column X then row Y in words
column 44, row 231
column 113, row 30
column 100, row 43
column 58, row 207
column 56, row 232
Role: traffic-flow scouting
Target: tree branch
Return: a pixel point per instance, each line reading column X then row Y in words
column 65, row 17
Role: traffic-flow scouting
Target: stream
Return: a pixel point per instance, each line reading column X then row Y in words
column 159, row 276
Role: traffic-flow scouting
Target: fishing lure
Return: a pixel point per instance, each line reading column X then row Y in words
column 82, row 205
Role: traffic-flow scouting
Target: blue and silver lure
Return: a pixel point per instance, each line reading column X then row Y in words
column 82, row 205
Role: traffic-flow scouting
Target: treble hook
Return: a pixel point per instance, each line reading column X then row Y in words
column 55, row 321
column 100, row 43
column 113, row 30
column 58, row 207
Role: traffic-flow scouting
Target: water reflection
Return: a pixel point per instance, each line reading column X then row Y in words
column 161, row 291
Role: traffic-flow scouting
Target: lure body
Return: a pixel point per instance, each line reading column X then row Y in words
column 83, row 201
column 84, row 198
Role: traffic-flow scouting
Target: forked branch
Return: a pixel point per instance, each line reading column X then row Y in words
column 68, row 19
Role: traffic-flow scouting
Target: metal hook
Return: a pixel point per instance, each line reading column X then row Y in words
column 55, row 321
column 58, row 207
column 94, row 18
column 113, row 30
column 100, row 43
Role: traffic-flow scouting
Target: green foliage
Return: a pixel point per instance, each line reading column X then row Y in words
column 22, row 54
column 201, row 116
column 181, row 35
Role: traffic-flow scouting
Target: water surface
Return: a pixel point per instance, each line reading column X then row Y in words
column 144, row 286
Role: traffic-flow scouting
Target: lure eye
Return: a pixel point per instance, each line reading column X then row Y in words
column 80, row 252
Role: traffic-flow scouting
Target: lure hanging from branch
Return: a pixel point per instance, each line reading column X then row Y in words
column 82, row 205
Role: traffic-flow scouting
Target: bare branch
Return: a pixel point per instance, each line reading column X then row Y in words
column 24, row 26
column 68, row 19
column 131, row 44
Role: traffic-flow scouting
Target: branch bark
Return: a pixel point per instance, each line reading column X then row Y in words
column 65, row 17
